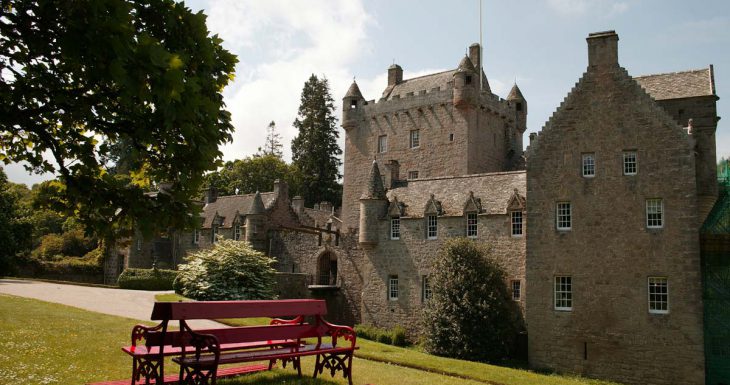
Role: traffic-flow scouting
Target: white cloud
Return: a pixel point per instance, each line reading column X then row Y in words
column 582, row 7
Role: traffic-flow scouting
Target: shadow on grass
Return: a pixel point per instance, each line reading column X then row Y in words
column 276, row 378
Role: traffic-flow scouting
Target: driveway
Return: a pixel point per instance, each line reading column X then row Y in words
column 134, row 304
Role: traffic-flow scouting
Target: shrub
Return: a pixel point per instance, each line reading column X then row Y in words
column 399, row 336
column 147, row 279
column 231, row 270
column 385, row 338
column 396, row 336
column 75, row 244
column 50, row 247
column 470, row 315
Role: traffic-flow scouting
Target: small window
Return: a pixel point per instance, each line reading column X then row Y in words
column 393, row 287
column 654, row 213
column 425, row 289
column 519, row 106
column 516, row 290
column 412, row 174
column 563, row 216
column 468, row 79
column 630, row 163
column 658, row 295
column 431, row 227
column 196, row 237
column 255, row 228
column 353, row 104
column 451, row 137
column 237, row 232
column 395, row 228
column 564, row 293
column 214, row 234
column 589, row 165
column 471, row 225
column 382, row 143
column 139, row 244
column 516, row 219
column 415, row 139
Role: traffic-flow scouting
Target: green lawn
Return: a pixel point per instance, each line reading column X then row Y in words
column 46, row 343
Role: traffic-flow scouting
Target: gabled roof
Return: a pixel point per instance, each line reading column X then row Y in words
column 677, row 85
column 422, row 83
column 494, row 191
column 228, row 206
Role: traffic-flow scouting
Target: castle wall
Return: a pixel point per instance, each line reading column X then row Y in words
column 609, row 252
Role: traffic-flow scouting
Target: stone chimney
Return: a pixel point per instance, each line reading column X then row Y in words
column 475, row 55
column 281, row 190
column 602, row 49
column 393, row 174
column 297, row 203
column 211, row 195
column 325, row 206
column 395, row 75
column 533, row 135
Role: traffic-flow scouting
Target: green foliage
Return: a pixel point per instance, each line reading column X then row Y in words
column 147, row 279
column 470, row 315
column 51, row 247
column 230, row 270
column 69, row 244
column 396, row 336
column 273, row 145
column 14, row 229
column 315, row 150
column 256, row 173
column 98, row 83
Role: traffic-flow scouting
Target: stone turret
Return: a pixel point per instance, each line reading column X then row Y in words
column 466, row 84
column 373, row 204
column 518, row 101
column 255, row 220
column 352, row 105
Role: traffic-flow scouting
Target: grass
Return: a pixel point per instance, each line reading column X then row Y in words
column 47, row 343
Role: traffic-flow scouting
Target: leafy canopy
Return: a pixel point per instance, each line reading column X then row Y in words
column 315, row 150
column 251, row 174
column 469, row 315
column 87, row 82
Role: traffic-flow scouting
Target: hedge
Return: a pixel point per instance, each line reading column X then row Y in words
column 396, row 336
column 147, row 279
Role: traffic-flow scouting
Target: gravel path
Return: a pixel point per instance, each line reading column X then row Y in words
column 124, row 303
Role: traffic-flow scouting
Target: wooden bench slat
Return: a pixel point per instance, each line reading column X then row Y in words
column 249, row 309
column 261, row 355
column 169, row 350
column 173, row 378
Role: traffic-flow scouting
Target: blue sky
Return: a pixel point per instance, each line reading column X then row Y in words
column 540, row 44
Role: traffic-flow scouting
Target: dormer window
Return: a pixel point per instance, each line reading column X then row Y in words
column 471, row 225
column 214, row 233
column 431, row 226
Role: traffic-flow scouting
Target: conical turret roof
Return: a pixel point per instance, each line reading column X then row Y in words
column 515, row 93
column 257, row 206
column 466, row 65
column 374, row 188
column 354, row 91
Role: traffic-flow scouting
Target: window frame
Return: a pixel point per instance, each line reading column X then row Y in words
column 413, row 174
column 560, row 218
column 237, row 232
column 213, row 234
column 657, row 221
column 626, row 162
column 393, row 290
column 431, row 235
column 394, row 228
column 414, row 139
column 472, row 225
column 196, row 237
column 563, row 284
column 588, row 165
column 516, row 225
column 516, row 294
column 426, row 290
column 660, row 298
column 382, row 144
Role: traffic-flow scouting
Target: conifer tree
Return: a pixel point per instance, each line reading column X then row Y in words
column 272, row 145
column 315, row 150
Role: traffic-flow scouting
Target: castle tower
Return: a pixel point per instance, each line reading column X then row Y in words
column 515, row 98
column 254, row 221
column 372, row 207
column 466, row 84
column 351, row 106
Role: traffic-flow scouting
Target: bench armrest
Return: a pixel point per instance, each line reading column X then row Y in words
column 280, row 321
column 339, row 331
column 141, row 332
column 203, row 343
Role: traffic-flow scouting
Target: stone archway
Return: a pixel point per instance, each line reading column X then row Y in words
column 327, row 269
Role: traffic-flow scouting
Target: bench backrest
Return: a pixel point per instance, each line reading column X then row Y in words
column 240, row 334
column 237, row 309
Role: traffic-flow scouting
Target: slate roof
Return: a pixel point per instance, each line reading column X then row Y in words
column 227, row 207
column 677, row 85
column 421, row 83
column 515, row 93
column 494, row 190
column 320, row 217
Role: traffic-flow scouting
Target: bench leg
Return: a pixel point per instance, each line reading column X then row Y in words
column 147, row 369
column 192, row 375
column 295, row 362
column 334, row 362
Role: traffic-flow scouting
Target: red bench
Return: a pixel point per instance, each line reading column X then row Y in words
column 200, row 352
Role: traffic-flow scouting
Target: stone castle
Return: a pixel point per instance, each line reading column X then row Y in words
column 596, row 223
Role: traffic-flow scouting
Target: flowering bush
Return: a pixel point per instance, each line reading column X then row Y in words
column 230, row 270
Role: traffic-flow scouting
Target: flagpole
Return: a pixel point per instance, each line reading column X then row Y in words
column 481, row 56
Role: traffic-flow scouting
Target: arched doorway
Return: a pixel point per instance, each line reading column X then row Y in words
column 327, row 269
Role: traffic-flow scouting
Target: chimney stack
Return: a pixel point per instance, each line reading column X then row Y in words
column 297, row 204
column 475, row 56
column 395, row 75
column 602, row 49
column 211, row 195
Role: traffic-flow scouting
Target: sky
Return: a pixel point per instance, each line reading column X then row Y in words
column 540, row 44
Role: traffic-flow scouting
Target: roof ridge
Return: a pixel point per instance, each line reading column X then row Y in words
column 243, row 195
column 468, row 175
column 673, row 73
column 423, row 76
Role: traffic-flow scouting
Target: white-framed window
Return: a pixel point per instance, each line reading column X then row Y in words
column 139, row 244
column 654, row 213
column 412, row 174
column 471, row 225
column 431, row 227
column 196, row 237
column 395, row 228
column 658, row 295
column 564, row 293
column 382, row 143
column 425, row 289
column 563, row 217
column 589, row 165
column 516, row 290
column 393, row 287
column 237, row 232
column 415, row 138
column 630, row 166
column 516, row 222
column 214, row 234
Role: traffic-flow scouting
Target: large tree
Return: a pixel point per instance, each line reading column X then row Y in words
column 14, row 228
column 82, row 78
column 272, row 145
column 315, row 150
column 256, row 173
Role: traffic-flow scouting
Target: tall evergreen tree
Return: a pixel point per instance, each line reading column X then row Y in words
column 273, row 145
column 315, row 150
